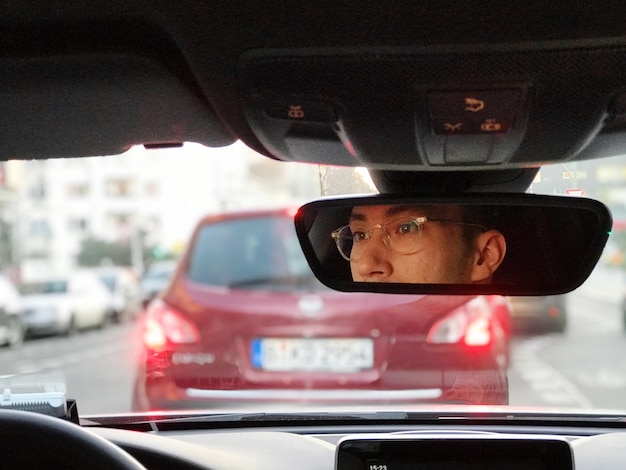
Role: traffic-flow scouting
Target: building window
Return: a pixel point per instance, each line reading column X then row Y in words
column 119, row 226
column 39, row 228
column 152, row 188
column 37, row 190
column 77, row 190
column 120, row 188
column 77, row 225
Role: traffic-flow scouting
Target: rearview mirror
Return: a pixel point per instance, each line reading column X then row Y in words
column 509, row 244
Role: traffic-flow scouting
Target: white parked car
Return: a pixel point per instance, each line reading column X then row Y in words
column 155, row 279
column 11, row 319
column 124, row 291
column 64, row 304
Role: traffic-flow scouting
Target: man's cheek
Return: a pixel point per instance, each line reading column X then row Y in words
column 416, row 272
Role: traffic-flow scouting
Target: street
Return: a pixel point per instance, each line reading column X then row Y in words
column 97, row 365
column 582, row 368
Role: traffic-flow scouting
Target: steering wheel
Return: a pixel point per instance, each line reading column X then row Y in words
column 37, row 441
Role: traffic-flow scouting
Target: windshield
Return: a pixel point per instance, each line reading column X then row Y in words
column 237, row 321
column 50, row 287
column 109, row 281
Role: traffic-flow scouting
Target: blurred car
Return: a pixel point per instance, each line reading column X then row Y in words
column 125, row 294
column 64, row 304
column 11, row 316
column 244, row 319
column 155, row 279
column 623, row 309
column 540, row 314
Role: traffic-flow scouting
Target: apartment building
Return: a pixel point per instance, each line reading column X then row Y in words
column 142, row 196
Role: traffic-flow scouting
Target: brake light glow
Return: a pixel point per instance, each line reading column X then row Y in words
column 153, row 334
column 165, row 325
column 468, row 324
column 554, row 312
column 478, row 333
column 292, row 212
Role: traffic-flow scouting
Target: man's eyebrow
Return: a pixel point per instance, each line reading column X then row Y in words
column 390, row 212
column 357, row 216
column 395, row 210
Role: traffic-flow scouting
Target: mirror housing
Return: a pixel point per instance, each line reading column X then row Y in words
column 552, row 243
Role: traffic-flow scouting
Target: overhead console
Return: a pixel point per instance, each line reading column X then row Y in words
column 433, row 109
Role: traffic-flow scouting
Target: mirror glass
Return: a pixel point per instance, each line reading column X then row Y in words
column 502, row 244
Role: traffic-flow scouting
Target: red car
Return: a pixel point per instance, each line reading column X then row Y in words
column 244, row 321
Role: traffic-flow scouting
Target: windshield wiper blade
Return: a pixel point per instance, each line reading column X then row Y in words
column 273, row 417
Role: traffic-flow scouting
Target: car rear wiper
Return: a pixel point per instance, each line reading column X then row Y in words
column 282, row 281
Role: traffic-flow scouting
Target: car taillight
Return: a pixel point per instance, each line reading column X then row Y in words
column 554, row 312
column 164, row 325
column 478, row 332
column 448, row 330
column 469, row 324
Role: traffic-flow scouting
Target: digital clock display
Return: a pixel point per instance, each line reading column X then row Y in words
column 453, row 452
column 454, row 464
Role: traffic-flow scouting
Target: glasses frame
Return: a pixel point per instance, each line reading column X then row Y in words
column 419, row 221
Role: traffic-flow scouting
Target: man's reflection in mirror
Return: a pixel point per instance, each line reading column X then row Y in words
column 432, row 244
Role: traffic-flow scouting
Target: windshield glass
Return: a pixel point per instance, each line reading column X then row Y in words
column 51, row 287
column 221, row 311
column 109, row 282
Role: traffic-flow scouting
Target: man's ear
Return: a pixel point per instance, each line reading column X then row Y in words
column 490, row 250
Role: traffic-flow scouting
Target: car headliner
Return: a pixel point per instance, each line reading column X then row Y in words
column 96, row 77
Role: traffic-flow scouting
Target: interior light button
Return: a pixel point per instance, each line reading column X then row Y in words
column 299, row 110
column 472, row 112
column 475, row 104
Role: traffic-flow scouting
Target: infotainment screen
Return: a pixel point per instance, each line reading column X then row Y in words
column 436, row 452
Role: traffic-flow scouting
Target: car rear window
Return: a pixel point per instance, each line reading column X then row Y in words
column 52, row 287
column 254, row 253
column 109, row 281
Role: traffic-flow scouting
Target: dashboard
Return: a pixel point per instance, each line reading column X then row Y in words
column 532, row 448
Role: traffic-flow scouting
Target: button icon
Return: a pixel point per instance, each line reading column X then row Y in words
column 474, row 105
column 449, row 127
column 491, row 125
column 295, row 112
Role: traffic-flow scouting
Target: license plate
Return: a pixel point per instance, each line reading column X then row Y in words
column 313, row 354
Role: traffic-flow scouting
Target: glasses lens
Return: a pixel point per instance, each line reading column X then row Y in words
column 404, row 235
column 344, row 241
column 400, row 236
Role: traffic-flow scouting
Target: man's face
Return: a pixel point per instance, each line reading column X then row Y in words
column 442, row 255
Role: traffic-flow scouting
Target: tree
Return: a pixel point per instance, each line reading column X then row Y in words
column 95, row 252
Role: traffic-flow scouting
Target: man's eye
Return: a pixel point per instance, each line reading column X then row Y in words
column 406, row 228
column 358, row 236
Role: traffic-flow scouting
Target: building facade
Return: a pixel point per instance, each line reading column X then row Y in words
column 142, row 197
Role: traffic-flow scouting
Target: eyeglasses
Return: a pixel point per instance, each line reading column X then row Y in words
column 401, row 236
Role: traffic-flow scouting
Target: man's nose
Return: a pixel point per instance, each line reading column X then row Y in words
column 373, row 260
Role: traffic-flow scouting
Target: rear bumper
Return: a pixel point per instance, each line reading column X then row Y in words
column 467, row 387
column 317, row 396
column 47, row 327
column 172, row 398
column 4, row 335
